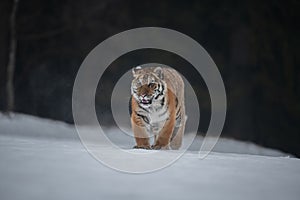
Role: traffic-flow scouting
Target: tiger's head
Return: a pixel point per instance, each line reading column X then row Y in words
column 148, row 85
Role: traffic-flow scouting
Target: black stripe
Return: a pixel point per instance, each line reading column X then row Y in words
column 157, row 96
column 143, row 117
column 178, row 112
column 163, row 89
column 143, row 108
column 162, row 103
column 161, row 92
column 130, row 106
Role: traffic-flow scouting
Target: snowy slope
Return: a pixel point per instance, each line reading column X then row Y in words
column 43, row 159
column 20, row 125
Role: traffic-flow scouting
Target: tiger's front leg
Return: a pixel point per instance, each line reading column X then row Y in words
column 164, row 137
column 141, row 136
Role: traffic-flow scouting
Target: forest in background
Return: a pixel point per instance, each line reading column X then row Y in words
column 254, row 44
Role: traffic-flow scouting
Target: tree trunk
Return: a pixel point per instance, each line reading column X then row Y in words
column 12, row 59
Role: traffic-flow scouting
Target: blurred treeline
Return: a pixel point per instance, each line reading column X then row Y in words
column 255, row 44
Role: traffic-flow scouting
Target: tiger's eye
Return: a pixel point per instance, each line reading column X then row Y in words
column 151, row 85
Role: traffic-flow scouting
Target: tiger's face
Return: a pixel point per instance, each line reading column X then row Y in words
column 147, row 86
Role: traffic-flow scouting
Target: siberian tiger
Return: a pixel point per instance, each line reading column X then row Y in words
column 157, row 107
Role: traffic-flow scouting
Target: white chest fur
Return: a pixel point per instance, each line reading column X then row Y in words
column 157, row 117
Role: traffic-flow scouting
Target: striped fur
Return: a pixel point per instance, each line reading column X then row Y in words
column 157, row 107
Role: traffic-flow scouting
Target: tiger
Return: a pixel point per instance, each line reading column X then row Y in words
column 157, row 107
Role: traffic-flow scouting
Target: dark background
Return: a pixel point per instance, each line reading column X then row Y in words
column 253, row 43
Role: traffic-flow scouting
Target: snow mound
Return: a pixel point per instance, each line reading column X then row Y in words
column 44, row 159
column 21, row 125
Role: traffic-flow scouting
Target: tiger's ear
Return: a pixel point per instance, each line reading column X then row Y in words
column 136, row 70
column 159, row 72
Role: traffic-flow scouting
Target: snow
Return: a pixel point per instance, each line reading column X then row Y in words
column 44, row 159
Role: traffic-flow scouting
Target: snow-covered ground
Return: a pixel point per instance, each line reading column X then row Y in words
column 44, row 159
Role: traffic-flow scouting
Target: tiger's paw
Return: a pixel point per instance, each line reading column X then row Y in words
column 158, row 147
column 155, row 147
column 142, row 147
